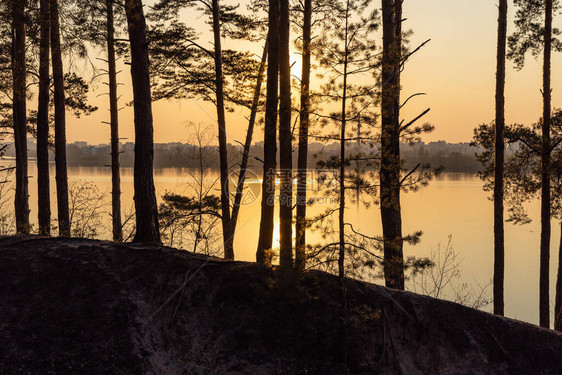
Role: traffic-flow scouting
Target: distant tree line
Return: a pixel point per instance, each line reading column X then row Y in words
column 450, row 157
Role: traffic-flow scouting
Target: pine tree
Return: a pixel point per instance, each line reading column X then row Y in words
column 228, row 234
column 43, row 179
column 348, row 51
column 176, row 50
column 147, row 227
column 60, row 123
column 114, row 124
column 300, row 222
column 390, row 144
column 285, row 142
column 20, row 114
column 265, row 239
column 534, row 33
column 499, row 251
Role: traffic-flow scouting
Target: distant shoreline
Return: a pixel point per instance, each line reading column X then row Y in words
column 453, row 157
column 128, row 170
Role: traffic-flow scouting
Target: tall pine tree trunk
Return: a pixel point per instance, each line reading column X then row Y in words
column 265, row 239
column 300, row 225
column 114, row 124
column 60, row 123
column 43, row 185
column 390, row 145
column 341, row 216
column 342, row 329
column 248, row 141
column 558, row 303
column 285, row 143
column 228, row 235
column 499, row 251
column 147, row 228
column 21, row 200
column 544, row 300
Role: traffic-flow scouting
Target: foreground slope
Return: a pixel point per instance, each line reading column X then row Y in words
column 72, row 306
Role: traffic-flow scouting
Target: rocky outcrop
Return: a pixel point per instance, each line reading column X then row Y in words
column 74, row 306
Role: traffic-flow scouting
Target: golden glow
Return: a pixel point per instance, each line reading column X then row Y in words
column 276, row 236
column 276, row 243
column 456, row 70
column 296, row 66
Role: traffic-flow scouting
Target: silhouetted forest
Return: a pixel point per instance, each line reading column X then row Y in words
column 340, row 110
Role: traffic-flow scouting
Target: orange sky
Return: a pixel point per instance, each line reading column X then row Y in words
column 456, row 70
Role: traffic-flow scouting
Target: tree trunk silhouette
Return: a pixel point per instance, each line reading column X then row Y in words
column 499, row 251
column 248, row 141
column 43, row 184
column 300, row 225
column 60, row 124
column 390, row 145
column 147, row 228
column 558, row 303
column 114, row 124
column 228, row 234
column 285, row 142
column 342, row 329
column 21, row 198
column 544, row 300
column 265, row 240
column 341, row 216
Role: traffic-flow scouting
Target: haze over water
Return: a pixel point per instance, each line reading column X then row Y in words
column 452, row 205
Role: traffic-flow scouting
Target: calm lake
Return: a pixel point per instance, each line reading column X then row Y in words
column 452, row 205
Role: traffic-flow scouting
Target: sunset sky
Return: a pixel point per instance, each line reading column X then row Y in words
column 456, row 70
